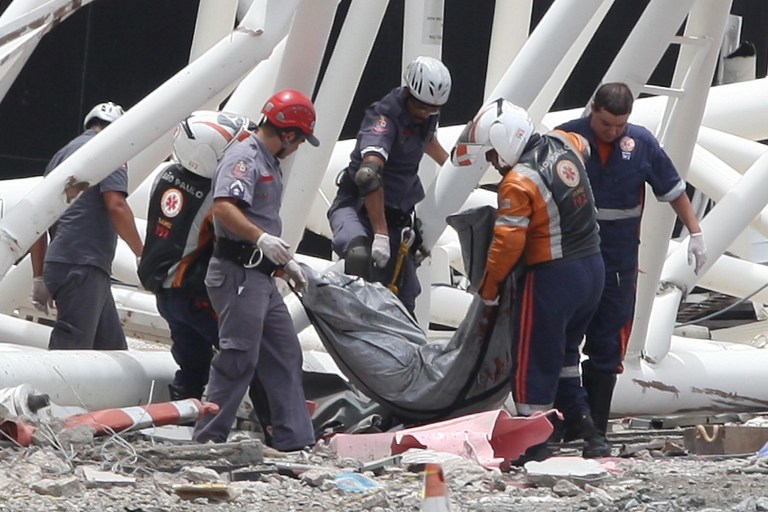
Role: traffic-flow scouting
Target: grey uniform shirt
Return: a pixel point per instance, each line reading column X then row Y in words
column 249, row 173
column 84, row 235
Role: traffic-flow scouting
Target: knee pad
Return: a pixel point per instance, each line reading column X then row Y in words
column 368, row 178
column 357, row 261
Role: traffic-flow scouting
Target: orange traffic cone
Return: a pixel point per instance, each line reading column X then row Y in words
column 435, row 497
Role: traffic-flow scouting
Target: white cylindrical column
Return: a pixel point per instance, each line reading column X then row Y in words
column 93, row 379
column 141, row 125
column 332, row 104
column 422, row 29
column 698, row 375
column 511, row 25
column 529, row 73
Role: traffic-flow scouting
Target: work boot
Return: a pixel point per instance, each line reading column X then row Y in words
column 537, row 452
column 182, row 393
column 596, row 446
column 599, row 387
column 595, row 443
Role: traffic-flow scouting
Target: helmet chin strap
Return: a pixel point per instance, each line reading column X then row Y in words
column 285, row 144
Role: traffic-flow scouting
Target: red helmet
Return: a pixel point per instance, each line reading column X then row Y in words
column 289, row 108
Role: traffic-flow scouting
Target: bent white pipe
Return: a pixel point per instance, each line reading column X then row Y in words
column 697, row 375
column 94, row 379
column 127, row 136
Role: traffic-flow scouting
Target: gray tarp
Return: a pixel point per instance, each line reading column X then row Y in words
column 385, row 354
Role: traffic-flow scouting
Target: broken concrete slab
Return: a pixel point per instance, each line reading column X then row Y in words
column 574, row 469
column 94, row 477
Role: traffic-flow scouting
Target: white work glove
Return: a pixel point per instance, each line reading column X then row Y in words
column 295, row 273
column 41, row 297
column 697, row 251
column 380, row 250
column 274, row 248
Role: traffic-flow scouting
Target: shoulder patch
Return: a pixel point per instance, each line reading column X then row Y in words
column 380, row 126
column 236, row 189
column 568, row 173
column 240, row 170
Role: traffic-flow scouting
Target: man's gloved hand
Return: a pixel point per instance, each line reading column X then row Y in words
column 41, row 297
column 489, row 292
column 491, row 302
column 697, row 251
column 274, row 248
column 380, row 250
column 295, row 273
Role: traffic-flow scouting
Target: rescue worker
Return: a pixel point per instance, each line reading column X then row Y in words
column 624, row 157
column 77, row 265
column 179, row 244
column 546, row 218
column 256, row 332
column 380, row 187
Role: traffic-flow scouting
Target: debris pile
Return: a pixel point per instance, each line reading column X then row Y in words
column 159, row 469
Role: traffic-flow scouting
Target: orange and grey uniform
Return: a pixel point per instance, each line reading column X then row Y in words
column 547, row 219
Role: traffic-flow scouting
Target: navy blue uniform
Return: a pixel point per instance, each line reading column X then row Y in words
column 619, row 188
column 256, row 331
column 387, row 132
column 78, row 265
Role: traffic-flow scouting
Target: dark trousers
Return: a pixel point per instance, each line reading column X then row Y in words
column 348, row 223
column 86, row 316
column 608, row 332
column 553, row 305
column 195, row 332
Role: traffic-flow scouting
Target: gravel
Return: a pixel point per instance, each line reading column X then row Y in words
column 118, row 474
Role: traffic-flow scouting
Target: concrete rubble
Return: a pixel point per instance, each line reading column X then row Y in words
column 161, row 470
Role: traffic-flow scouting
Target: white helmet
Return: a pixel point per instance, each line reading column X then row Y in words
column 201, row 139
column 108, row 112
column 499, row 125
column 428, row 80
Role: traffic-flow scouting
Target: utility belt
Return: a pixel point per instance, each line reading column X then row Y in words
column 397, row 218
column 245, row 254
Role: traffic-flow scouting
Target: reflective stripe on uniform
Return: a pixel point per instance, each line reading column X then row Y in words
column 674, row 193
column 378, row 150
column 530, row 409
column 569, row 372
column 512, row 220
column 618, row 213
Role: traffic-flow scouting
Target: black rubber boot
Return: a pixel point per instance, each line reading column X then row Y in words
column 595, row 443
column 182, row 393
column 599, row 387
column 596, row 446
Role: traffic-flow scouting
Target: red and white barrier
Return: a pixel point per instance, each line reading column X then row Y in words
column 108, row 421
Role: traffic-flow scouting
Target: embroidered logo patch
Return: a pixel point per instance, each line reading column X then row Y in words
column 380, row 126
column 171, row 202
column 568, row 173
column 240, row 170
column 627, row 144
column 236, row 189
